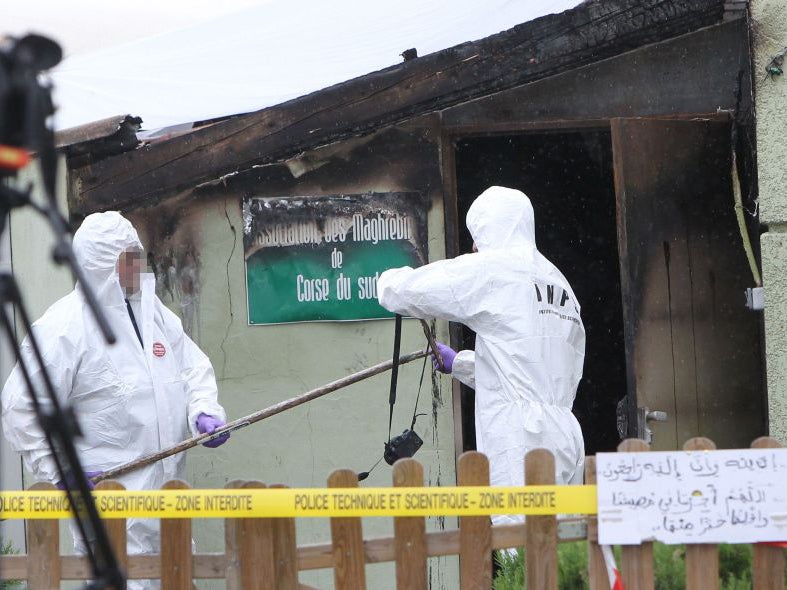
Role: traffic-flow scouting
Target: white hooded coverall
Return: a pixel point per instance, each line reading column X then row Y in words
column 530, row 341
column 129, row 401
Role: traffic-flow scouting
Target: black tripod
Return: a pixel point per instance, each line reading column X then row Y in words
column 25, row 105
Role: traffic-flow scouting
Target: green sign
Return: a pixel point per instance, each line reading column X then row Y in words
column 319, row 258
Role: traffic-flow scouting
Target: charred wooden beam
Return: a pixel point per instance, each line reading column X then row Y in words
column 534, row 50
column 98, row 140
column 734, row 9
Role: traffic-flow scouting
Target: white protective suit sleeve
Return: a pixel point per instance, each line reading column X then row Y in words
column 463, row 368
column 426, row 292
column 197, row 373
column 20, row 423
column 436, row 290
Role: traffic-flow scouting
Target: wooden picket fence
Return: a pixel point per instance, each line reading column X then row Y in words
column 261, row 553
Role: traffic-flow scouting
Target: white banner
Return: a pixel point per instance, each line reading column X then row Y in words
column 735, row 496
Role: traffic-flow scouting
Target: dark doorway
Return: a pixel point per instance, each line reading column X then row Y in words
column 569, row 179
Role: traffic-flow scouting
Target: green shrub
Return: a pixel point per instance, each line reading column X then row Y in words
column 511, row 570
column 735, row 566
column 7, row 548
column 669, row 566
column 669, row 562
column 572, row 566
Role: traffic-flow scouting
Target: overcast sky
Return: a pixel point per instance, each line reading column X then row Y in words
column 82, row 26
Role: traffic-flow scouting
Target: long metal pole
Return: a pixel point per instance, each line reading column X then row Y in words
column 257, row 416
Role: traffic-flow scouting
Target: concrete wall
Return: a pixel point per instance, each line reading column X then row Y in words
column 769, row 36
column 26, row 249
column 10, row 462
column 258, row 366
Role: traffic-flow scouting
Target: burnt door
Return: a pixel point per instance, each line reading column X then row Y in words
column 693, row 350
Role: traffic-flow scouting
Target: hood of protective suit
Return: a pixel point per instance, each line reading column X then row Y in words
column 98, row 243
column 134, row 398
column 502, row 218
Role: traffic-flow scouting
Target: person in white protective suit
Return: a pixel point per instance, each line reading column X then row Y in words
column 530, row 340
column 150, row 390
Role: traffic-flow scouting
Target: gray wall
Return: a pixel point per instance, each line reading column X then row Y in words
column 769, row 30
column 26, row 249
column 258, row 366
column 10, row 463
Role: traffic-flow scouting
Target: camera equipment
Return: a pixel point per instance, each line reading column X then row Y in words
column 406, row 444
column 402, row 446
column 25, row 107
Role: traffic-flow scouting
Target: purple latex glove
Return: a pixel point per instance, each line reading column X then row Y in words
column 88, row 474
column 207, row 425
column 448, row 354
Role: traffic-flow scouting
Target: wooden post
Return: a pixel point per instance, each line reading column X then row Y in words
column 231, row 548
column 409, row 532
column 636, row 562
column 43, row 549
column 702, row 561
column 475, row 532
column 597, row 568
column 347, row 539
column 256, row 549
column 285, row 551
column 116, row 529
column 176, row 564
column 768, row 562
column 541, row 542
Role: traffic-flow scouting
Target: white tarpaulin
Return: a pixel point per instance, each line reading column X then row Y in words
column 268, row 54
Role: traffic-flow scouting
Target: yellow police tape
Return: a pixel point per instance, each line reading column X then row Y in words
column 310, row 502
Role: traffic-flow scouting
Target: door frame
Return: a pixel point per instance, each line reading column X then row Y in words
column 448, row 138
column 449, row 135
